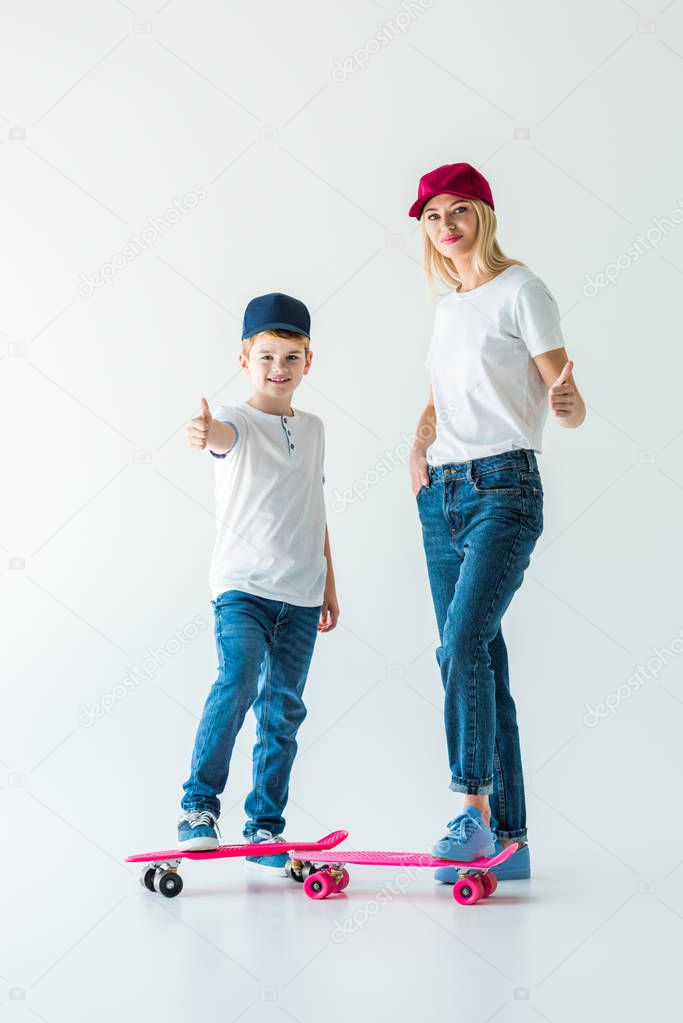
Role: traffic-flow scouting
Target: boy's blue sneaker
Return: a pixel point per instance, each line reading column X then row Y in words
column 467, row 838
column 275, row 862
column 197, row 830
column 517, row 868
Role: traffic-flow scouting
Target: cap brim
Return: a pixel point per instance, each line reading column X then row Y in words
column 419, row 204
column 277, row 326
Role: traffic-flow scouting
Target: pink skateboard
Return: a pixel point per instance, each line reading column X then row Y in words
column 162, row 873
column 328, row 875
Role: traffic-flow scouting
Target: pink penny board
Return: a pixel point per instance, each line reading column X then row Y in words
column 224, row 852
column 329, row 876
column 376, row 858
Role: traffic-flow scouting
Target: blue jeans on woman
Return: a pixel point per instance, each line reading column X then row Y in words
column 480, row 522
column 264, row 652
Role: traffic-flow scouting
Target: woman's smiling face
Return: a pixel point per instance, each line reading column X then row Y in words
column 451, row 225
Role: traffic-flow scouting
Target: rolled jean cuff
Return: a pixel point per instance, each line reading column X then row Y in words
column 473, row 787
column 199, row 808
column 516, row 836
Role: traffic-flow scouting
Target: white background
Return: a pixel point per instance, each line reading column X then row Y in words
column 109, row 112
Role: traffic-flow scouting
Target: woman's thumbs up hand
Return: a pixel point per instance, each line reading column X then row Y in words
column 562, row 396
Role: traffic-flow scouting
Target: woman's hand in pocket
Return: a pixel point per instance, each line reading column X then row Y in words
column 419, row 472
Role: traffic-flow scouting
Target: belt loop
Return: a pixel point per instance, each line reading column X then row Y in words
column 530, row 459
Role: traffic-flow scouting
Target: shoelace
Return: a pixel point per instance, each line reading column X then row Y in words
column 265, row 836
column 461, row 827
column 201, row 818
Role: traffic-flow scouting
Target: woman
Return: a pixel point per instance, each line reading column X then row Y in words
column 497, row 363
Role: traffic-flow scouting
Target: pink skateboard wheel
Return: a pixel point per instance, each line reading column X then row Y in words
column 489, row 883
column 319, row 885
column 468, row 890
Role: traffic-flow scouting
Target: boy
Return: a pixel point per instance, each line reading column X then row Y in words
column 271, row 579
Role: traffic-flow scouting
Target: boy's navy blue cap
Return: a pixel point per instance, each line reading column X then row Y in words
column 276, row 312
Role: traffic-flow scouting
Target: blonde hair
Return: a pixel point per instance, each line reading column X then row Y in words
column 487, row 255
column 284, row 335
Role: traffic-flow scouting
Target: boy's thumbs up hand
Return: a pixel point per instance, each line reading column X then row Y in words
column 198, row 428
column 562, row 394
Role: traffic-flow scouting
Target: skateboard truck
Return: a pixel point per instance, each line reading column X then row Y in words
column 163, row 878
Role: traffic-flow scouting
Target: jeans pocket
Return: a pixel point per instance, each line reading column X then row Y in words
column 501, row 481
column 533, row 498
column 533, row 478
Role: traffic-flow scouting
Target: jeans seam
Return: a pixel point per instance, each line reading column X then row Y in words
column 504, row 575
column 199, row 753
column 258, row 786
column 501, row 808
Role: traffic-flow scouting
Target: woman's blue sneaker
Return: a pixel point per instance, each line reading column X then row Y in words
column 467, row 838
column 517, row 868
column 273, row 864
column 197, row 830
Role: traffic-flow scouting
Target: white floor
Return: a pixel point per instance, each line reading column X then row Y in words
column 588, row 935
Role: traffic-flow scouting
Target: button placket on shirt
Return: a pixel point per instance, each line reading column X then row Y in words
column 289, row 433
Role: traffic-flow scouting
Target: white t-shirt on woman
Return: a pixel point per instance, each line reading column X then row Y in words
column 489, row 396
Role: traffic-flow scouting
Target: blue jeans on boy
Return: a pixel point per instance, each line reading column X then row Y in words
column 264, row 652
column 480, row 522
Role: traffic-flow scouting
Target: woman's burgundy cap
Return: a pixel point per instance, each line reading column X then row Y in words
column 459, row 179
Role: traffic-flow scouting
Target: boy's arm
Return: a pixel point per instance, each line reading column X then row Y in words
column 220, row 438
column 329, row 581
column 329, row 613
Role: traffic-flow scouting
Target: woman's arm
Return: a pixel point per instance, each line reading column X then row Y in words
column 425, row 435
column 564, row 400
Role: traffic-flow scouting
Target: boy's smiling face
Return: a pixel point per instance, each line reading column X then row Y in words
column 276, row 366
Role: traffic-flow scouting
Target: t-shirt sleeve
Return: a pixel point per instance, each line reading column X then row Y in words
column 322, row 452
column 227, row 414
column 537, row 318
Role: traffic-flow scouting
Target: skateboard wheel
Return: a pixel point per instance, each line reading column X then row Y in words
column 168, row 883
column 468, row 890
column 489, row 883
column 343, row 881
column 307, row 870
column 319, row 885
column 147, row 878
column 294, row 874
